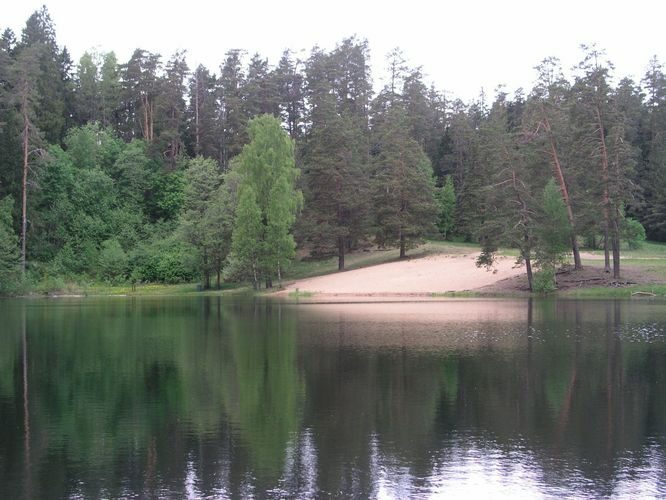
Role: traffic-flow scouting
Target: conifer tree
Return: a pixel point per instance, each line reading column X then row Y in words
column 403, row 186
column 335, row 180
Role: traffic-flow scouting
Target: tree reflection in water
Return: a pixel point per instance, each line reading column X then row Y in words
column 196, row 397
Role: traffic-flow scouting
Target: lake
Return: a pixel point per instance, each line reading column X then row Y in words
column 230, row 397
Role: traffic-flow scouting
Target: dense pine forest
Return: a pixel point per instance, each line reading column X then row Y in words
column 148, row 170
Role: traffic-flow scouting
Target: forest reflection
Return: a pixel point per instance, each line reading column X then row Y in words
column 199, row 397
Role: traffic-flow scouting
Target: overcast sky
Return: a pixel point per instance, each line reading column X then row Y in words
column 462, row 46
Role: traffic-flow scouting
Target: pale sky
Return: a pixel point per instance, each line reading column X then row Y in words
column 462, row 46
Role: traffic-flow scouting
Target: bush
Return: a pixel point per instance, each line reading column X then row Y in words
column 544, row 281
column 164, row 261
column 112, row 262
column 633, row 233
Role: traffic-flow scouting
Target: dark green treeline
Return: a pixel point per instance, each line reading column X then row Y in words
column 95, row 156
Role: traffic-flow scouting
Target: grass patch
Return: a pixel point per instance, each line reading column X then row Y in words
column 300, row 294
column 148, row 289
column 614, row 293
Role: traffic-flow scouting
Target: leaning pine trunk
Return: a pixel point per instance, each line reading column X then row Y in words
column 559, row 175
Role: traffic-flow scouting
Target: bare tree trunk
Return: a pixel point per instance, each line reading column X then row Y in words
column 341, row 253
column 528, row 268
column 403, row 252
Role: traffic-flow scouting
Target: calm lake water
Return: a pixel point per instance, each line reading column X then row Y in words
column 210, row 397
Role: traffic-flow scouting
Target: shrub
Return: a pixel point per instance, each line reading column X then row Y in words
column 633, row 233
column 112, row 262
column 544, row 280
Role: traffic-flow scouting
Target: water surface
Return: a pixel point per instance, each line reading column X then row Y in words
column 211, row 397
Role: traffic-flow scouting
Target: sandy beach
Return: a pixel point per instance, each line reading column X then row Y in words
column 419, row 277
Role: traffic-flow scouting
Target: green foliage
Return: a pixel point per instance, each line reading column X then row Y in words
column 267, row 176
column 633, row 233
column 404, row 190
column 446, row 197
column 205, row 221
column 164, row 258
column 9, row 247
column 112, row 263
column 246, row 243
column 553, row 230
column 544, row 280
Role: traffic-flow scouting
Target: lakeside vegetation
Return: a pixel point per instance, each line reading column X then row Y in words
column 146, row 172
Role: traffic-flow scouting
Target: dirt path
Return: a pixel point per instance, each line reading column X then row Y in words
column 421, row 276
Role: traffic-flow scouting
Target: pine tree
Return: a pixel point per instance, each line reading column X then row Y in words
column 110, row 90
column 203, row 128
column 403, row 186
column 335, row 182
column 233, row 117
column 290, row 93
column 170, row 110
column 546, row 124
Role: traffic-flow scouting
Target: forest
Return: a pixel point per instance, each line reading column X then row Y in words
column 148, row 170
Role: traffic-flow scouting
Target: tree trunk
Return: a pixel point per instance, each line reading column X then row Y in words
column 269, row 282
column 218, row 281
column 615, row 244
column 402, row 246
column 341, row 253
column 607, row 268
column 559, row 175
column 528, row 268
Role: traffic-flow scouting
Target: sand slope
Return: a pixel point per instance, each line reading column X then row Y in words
column 421, row 276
